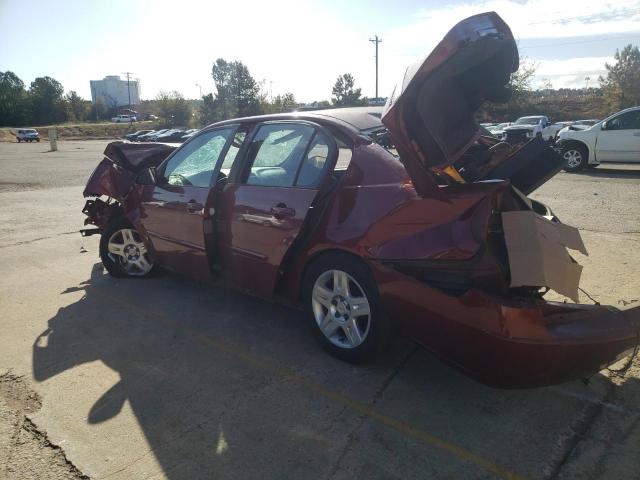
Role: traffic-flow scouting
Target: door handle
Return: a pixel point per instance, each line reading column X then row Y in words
column 194, row 207
column 282, row 211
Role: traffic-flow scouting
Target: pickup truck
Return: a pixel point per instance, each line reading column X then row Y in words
column 615, row 139
column 123, row 119
column 526, row 128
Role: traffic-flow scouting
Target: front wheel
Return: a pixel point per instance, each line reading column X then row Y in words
column 343, row 306
column 122, row 251
column 575, row 156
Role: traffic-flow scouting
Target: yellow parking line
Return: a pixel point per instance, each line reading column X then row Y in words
column 293, row 377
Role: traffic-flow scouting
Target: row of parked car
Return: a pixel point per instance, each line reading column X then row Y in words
column 167, row 135
column 529, row 127
column 582, row 143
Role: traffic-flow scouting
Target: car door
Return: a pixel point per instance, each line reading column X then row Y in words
column 262, row 209
column 619, row 138
column 173, row 211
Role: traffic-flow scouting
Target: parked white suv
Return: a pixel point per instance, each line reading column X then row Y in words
column 27, row 135
column 615, row 139
column 123, row 119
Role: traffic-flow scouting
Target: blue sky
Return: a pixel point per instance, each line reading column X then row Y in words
column 298, row 46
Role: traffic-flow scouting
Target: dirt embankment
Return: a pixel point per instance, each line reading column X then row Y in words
column 88, row 131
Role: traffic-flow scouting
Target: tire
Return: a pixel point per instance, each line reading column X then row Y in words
column 350, row 337
column 576, row 156
column 38, row 140
column 134, row 261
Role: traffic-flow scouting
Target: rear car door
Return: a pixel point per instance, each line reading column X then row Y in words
column 262, row 209
column 620, row 140
column 173, row 211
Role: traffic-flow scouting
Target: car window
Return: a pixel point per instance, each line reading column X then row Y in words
column 277, row 151
column 625, row 121
column 232, row 153
column 314, row 161
column 193, row 164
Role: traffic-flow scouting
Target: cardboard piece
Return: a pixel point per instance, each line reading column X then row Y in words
column 537, row 250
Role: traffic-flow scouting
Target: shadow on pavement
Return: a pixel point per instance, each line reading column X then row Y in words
column 606, row 172
column 207, row 413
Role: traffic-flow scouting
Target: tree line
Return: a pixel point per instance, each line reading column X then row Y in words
column 618, row 89
column 43, row 103
column 239, row 94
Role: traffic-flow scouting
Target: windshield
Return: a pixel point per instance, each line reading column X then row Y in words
column 528, row 121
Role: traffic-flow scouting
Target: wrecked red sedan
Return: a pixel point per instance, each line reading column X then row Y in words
column 376, row 221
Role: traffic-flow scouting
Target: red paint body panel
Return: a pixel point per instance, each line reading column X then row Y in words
column 505, row 342
column 172, row 217
column 253, row 238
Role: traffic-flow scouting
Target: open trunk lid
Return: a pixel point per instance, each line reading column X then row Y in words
column 431, row 112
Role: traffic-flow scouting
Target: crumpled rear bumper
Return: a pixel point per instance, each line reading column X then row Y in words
column 509, row 342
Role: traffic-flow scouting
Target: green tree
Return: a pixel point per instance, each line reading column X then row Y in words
column 209, row 110
column 237, row 92
column 622, row 83
column 77, row 106
column 173, row 109
column 47, row 104
column 520, row 82
column 281, row 103
column 14, row 107
column 98, row 110
column 345, row 93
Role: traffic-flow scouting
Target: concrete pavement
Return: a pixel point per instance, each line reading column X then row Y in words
column 166, row 378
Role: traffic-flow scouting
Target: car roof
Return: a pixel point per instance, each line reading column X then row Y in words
column 359, row 118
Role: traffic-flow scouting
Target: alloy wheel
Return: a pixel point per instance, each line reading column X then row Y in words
column 573, row 158
column 126, row 248
column 341, row 309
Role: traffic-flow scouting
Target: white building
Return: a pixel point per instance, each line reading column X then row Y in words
column 113, row 92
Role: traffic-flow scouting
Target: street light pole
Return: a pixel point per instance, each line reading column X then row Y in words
column 376, row 40
column 200, row 87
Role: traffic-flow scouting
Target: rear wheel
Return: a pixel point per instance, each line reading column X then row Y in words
column 343, row 306
column 122, row 251
column 575, row 156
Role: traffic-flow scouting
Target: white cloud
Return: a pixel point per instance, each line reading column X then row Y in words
column 542, row 19
column 571, row 73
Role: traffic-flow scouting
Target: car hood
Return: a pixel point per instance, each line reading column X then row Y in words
column 431, row 112
column 520, row 127
column 135, row 157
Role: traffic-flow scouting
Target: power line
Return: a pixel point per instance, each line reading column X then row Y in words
column 376, row 40
column 128, row 74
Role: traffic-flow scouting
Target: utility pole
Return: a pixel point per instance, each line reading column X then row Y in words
column 128, row 74
column 376, row 40
column 200, row 87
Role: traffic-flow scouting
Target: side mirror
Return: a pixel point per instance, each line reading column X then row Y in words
column 147, row 177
